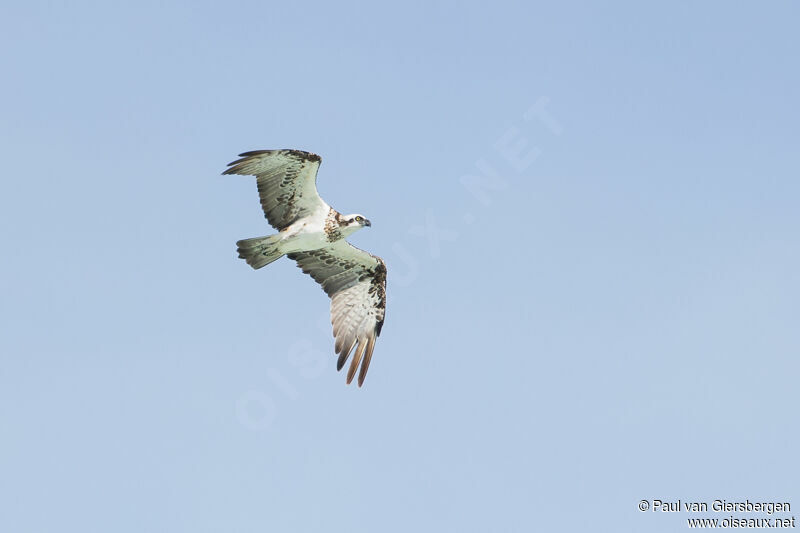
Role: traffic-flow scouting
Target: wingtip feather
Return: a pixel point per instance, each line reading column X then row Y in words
column 367, row 358
column 351, row 372
column 344, row 355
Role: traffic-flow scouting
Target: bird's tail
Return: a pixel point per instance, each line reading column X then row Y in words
column 260, row 251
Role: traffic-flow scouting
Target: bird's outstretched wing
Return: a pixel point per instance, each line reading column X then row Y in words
column 356, row 283
column 286, row 183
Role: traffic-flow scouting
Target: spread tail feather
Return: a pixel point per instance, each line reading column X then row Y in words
column 260, row 251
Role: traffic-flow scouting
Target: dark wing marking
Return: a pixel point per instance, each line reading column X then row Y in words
column 356, row 283
column 286, row 183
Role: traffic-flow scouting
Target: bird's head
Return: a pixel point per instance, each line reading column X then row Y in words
column 354, row 222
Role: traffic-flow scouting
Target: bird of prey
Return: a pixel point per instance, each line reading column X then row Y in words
column 313, row 233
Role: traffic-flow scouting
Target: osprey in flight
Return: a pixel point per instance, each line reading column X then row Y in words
column 313, row 233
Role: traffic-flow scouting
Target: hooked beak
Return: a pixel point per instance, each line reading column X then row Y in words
column 367, row 222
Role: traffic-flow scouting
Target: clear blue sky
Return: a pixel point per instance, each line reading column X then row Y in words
column 590, row 218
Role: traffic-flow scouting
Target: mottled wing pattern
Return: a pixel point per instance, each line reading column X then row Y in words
column 286, row 183
column 356, row 283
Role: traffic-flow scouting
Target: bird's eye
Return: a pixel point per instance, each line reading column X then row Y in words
column 359, row 219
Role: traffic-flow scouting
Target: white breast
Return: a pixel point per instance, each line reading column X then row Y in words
column 305, row 234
